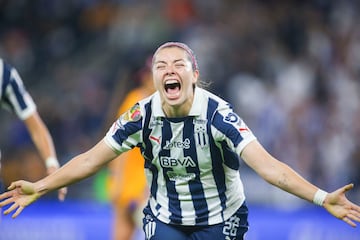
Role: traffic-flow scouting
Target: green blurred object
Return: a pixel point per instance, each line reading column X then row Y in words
column 101, row 194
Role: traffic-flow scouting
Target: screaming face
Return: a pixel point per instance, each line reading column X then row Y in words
column 174, row 78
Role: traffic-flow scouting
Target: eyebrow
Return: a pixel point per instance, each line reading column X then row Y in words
column 175, row 61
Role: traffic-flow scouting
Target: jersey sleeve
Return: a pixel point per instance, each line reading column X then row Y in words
column 15, row 96
column 229, row 127
column 125, row 132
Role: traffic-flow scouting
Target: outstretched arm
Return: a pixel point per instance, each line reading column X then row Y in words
column 44, row 143
column 281, row 175
column 22, row 193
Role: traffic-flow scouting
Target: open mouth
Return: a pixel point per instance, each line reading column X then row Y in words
column 172, row 87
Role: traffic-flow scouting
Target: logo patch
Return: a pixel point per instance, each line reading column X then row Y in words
column 168, row 162
column 156, row 139
column 200, row 135
column 155, row 122
column 149, row 227
column 178, row 177
column 132, row 115
column 177, row 144
column 231, row 117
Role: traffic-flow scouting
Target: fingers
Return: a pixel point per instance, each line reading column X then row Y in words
column 6, row 202
column 16, row 184
column 62, row 194
column 12, row 186
column 354, row 216
column 348, row 187
column 348, row 221
column 355, row 208
column 18, row 211
column 5, row 195
column 11, row 208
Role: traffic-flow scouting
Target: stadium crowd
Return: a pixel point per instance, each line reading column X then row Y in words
column 291, row 68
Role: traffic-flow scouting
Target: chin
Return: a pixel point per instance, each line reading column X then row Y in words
column 173, row 103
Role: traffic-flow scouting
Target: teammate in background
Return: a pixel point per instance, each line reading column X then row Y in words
column 126, row 182
column 192, row 142
column 14, row 97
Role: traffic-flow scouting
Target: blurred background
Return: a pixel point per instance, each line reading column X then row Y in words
column 291, row 69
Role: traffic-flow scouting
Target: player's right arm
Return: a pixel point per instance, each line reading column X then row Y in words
column 281, row 175
column 22, row 193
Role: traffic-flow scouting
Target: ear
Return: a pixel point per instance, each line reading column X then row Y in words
column 196, row 76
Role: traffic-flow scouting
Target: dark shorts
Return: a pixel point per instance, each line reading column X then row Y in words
column 232, row 229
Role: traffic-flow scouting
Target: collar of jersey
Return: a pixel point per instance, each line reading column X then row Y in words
column 198, row 103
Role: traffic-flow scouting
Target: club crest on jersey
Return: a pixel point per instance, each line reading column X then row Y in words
column 200, row 135
column 132, row 115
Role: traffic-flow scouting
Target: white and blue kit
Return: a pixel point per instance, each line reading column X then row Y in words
column 13, row 95
column 191, row 163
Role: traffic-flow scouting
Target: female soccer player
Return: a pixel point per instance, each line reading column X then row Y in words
column 192, row 142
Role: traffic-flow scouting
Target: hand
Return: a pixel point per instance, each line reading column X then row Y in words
column 62, row 191
column 21, row 194
column 338, row 205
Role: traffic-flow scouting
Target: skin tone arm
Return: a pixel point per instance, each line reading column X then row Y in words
column 22, row 193
column 282, row 176
column 41, row 137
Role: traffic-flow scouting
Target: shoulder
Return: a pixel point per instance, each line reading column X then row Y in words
column 222, row 111
column 215, row 105
column 136, row 110
column 220, row 102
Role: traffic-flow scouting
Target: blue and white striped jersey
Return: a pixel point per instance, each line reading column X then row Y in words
column 13, row 95
column 191, row 163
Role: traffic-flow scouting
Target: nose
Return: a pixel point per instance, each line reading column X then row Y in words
column 170, row 69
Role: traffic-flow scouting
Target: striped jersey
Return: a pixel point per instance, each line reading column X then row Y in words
column 13, row 95
column 191, row 163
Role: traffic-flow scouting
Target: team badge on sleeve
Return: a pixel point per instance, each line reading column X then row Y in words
column 231, row 117
column 236, row 121
column 133, row 114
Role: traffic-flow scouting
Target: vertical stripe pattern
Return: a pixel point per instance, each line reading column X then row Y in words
column 191, row 163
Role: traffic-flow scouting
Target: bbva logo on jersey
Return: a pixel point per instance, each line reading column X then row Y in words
column 167, row 162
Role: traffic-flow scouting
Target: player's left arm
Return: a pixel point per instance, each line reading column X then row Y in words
column 281, row 175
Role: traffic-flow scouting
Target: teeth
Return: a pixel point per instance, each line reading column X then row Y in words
column 171, row 81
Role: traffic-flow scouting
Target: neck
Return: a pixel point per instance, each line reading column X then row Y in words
column 181, row 110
